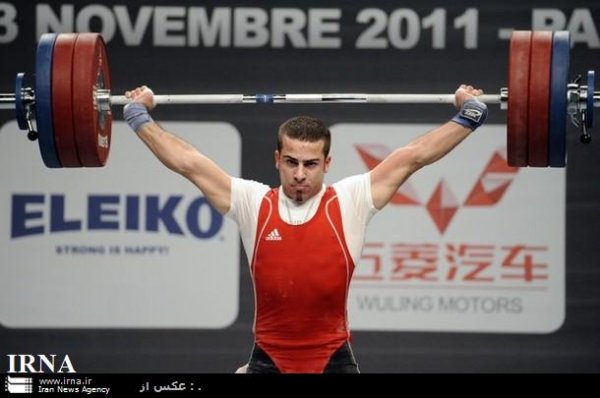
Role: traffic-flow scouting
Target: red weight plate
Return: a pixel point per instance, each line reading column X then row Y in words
column 539, row 98
column 90, row 72
column 518, row 98
column 62, row 111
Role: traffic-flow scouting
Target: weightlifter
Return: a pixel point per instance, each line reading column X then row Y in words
column 303, row 239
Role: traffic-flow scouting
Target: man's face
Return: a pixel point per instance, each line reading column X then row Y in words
column 302, row 167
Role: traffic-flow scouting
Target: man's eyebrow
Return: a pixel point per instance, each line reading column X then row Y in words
column 315, row 160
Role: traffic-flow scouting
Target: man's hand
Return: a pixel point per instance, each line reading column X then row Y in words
column 142, row 95
column 464, row 93
column 136, row 113
column 472, row 113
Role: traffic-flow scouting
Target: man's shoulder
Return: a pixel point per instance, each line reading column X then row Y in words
column 355, row 192
column 351, row 181
column 246, row 186
column 249, row 182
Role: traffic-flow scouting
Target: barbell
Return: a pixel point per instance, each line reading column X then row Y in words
column 71, row 102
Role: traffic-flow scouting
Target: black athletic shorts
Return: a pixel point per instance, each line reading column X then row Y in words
column 342, row 361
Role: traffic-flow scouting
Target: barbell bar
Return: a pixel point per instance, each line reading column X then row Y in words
column 71, row 102
column 348, row 98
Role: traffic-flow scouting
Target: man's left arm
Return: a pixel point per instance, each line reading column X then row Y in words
column 391, row 173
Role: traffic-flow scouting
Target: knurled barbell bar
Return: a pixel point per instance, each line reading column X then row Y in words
column 71, row 102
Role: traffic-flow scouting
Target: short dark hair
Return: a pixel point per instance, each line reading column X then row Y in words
column 305, row 128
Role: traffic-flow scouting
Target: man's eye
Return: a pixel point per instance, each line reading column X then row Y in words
column 291, row 162
column 310, row 165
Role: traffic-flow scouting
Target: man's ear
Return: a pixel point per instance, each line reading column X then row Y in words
column 277, row 156
column 327, row 163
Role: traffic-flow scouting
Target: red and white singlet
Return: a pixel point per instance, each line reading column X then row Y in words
column 301, row 273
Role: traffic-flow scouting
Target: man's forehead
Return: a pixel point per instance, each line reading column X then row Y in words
column 295, row 148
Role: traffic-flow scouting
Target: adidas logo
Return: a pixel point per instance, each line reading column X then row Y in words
column 273, row 235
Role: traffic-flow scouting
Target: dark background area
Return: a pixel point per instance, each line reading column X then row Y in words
column 575, row 347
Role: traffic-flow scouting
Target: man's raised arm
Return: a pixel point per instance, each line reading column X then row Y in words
column 175, row 153
column 387, row 177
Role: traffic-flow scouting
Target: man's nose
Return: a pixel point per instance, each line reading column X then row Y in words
column 299, row 173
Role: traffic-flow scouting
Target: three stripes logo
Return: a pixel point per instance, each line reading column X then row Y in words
column 273, row 235
column 443, row 204
column 18, row 385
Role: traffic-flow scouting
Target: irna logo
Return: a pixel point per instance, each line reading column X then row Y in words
column 26, row 363
column 37, row 214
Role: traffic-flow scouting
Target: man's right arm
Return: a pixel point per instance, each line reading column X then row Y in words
column 180, row 156
column 185, row 159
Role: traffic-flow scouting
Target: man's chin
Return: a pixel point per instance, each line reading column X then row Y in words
column 298, row 195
